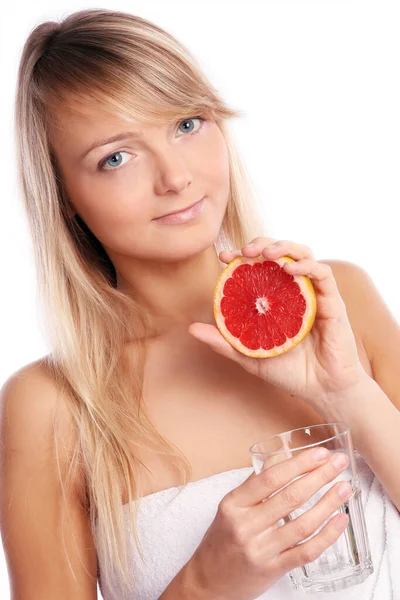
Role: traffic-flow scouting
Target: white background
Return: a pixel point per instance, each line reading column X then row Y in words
column 319, row 83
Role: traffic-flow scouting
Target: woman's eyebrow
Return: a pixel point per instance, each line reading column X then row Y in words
column 115, row 138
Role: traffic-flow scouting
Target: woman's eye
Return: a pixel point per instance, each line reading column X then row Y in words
column 191, row 132
column 113, row 161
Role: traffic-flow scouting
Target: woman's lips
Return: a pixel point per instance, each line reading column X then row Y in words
column 183, row 216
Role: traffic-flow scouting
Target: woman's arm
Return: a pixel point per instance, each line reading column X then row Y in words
column 373, row 409
column 375, row 429
column 184, row 586
column 31, row 508
column 375, row 325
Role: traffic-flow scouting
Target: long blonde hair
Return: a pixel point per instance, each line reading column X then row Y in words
column 131, row 66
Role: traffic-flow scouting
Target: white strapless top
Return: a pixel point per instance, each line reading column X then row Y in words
column 171, row 526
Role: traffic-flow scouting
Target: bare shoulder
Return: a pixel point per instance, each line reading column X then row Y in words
column 45, row 531
column 31, row 403
column 371, row 317
column 30, row 395
column 365, row 305
column 343, row 270
column 348, row 277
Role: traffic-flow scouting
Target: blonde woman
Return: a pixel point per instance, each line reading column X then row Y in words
column 125, row 450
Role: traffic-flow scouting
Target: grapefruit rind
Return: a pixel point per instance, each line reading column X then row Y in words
column 306, row 288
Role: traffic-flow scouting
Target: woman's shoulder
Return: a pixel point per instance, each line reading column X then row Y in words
column 37, row 373
column 37, row 512
column 30, row 397
column 30, row 401
column 33, row 380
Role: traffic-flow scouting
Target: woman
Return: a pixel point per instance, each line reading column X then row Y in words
column 117, row 127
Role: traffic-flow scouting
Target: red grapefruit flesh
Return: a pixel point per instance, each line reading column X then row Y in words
column 262, row 310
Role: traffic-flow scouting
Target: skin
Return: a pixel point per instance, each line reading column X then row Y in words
column 171, row 268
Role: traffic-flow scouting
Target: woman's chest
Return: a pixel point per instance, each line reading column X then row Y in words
column 212, row 411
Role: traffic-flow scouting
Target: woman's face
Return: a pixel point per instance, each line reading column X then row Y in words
column 119, row 188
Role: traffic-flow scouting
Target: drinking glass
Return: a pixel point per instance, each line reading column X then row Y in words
column 348, row 560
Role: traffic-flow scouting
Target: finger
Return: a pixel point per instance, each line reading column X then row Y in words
column 259, row 243
column 260, row 486
column 298, row 492
column 288, row 248
column 269, row 248
column 312, row 520
column 321, row 275
column 227, row 256
column 303, row 554
column 209, row 334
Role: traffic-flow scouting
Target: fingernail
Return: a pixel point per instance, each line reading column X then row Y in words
column 320, row 453
column 345, row 490
column 341, row 521
column 340, row 460
column 250, row 245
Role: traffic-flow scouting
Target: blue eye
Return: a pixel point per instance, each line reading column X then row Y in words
column 115, row 164
column 193, row 119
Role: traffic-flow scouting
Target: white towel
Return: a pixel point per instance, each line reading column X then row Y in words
column 172, row 525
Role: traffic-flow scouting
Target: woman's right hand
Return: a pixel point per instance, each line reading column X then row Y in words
column 244, row 551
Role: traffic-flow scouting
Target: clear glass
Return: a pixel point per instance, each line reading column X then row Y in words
column 347, row 561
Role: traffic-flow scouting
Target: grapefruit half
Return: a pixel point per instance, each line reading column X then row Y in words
column 262, row 310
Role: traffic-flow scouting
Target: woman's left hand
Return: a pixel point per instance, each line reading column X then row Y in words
column 325, row 364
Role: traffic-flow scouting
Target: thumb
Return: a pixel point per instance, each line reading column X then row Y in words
column 211, row 336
